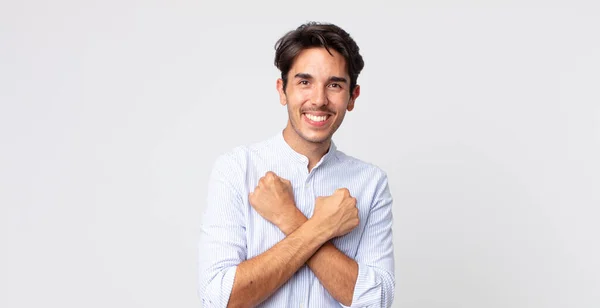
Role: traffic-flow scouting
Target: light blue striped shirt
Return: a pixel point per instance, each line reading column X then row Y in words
column 232, row 231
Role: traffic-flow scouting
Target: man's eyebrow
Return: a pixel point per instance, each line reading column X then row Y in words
column 332, row 78
column 338, row 79
column 303, row 76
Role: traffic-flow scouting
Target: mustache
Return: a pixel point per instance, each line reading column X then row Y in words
column 318, row 110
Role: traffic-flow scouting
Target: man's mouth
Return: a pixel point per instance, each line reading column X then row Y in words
column 315, row 118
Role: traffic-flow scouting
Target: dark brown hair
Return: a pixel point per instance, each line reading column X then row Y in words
column 314, row 34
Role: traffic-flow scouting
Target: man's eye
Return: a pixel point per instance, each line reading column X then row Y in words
column 335, row 85
column 304, row 82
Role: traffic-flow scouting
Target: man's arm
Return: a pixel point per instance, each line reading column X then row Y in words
column 222, row 243
column 226, row 277
column 375, row 282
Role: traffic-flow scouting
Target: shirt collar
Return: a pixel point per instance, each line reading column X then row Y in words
column 282, row 145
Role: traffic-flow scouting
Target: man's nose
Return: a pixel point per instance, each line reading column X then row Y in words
column 320, row 97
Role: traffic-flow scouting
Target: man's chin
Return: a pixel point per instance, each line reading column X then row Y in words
column 316, row 138
column 313, row 136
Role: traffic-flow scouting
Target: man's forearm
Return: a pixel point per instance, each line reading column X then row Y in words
column 256, row 279
column 336, row 271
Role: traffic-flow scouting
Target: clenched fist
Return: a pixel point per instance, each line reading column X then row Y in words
column 337, row 213
column 273, row 199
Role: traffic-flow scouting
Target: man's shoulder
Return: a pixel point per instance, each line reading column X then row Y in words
column 238, row 155
column 349, row 161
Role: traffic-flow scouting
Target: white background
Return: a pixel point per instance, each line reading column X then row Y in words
column 486, row 117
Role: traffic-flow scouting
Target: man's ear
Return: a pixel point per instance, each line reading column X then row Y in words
column 282, row 96
column 353, row 96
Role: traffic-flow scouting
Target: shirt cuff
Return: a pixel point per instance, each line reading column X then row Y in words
column 219, row 293
column 367, row 290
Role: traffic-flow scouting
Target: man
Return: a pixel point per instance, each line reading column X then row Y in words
column 292, row 221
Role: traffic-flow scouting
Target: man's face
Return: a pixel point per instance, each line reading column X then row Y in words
column 317, row 94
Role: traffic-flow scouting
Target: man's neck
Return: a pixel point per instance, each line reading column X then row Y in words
column 312, row 150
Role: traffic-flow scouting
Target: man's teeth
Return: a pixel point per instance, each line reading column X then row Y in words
column 316, row 118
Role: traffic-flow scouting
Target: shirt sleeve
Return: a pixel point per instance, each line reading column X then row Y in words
column 222, row 235
column 375, row 283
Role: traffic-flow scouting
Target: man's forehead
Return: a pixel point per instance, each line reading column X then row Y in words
column 320, row 54
column 316, row 63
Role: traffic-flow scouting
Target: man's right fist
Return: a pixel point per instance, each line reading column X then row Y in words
column 273, row 198
column 337, row 213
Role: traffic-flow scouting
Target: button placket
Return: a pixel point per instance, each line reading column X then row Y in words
column 309, row 193
column 308, row 185
column 302, row 204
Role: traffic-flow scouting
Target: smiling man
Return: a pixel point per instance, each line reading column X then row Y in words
column 293, row 221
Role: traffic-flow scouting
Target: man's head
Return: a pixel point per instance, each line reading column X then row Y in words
column 319, row 65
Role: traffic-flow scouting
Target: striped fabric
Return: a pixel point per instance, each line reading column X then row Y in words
column 233, row 232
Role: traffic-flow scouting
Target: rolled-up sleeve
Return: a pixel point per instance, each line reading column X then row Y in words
column 222, row 243
column 375, row 283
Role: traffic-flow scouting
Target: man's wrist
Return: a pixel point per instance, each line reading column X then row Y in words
column 319, row 230
column 292, row 222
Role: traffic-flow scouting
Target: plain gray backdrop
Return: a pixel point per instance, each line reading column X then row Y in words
column 485, row 115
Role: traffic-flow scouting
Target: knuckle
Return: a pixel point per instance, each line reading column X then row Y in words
column 343, row 190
